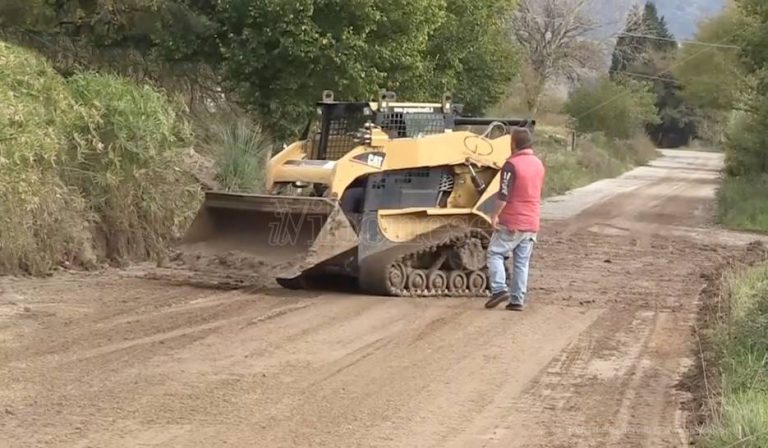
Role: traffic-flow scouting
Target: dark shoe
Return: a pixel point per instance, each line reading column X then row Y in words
column 496, row 299
column 515, row 306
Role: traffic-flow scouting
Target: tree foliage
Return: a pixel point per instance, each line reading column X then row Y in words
column 753, row 34
column 628, row 106
column 746, row 152
column 645, row 35
column 646, row 50
column 712, row 75
column 279, row 56
column 275, row 57
column 472, row 53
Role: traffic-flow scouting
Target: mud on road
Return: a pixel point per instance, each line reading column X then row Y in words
column 113, row 359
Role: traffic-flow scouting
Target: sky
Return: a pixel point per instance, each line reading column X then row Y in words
column 682, row 16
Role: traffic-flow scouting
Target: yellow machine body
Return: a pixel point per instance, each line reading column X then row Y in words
column 397, row 212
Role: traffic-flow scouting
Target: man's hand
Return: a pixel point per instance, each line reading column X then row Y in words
column 498, row 207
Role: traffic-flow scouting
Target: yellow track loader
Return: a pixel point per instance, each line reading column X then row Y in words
column 390, row 195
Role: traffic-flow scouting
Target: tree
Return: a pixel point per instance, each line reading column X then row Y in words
column 754, row 38
column 746, row 153
column 647, row 50
column 275, row 57
column 473, row 53
column 619, row 109
column 645, row 34
column 278, row 56
column 712, row 76
column 553, row 35
column 629, row 44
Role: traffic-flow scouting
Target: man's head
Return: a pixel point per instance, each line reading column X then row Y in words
column 521, row 138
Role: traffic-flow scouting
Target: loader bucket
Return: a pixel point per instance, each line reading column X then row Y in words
column 292, row 233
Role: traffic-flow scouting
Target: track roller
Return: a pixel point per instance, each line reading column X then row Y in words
column 437, row 281
column 457, row 282
column 417, row 280
column 397, row 276
column 477, row 282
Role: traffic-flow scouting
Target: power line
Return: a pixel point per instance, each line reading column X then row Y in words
column 696, row 42
column 614, row 98
column 660, row 78
column 641, row 75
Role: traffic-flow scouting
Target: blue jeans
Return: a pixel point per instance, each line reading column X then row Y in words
column 518, row 245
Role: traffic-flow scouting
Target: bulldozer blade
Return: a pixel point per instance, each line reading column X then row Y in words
column 292, row 233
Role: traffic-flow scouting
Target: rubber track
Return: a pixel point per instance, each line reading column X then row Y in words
column 375, row 269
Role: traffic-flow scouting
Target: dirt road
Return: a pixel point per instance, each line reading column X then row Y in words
column 108, row 359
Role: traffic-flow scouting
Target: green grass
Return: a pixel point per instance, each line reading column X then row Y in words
column 743, row 203
column 595, row 157
column 740, row 344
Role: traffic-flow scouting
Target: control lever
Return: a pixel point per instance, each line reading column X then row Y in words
column 476, row 181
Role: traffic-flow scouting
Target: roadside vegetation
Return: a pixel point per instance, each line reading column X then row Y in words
column 594, row 157
column 728, row 83
column 89, row 168
column 725, row 78
column 241, row 149
column 743, row 203
column 601, row 151
column 738, row 338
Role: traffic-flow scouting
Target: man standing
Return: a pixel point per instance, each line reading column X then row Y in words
column 516, row 222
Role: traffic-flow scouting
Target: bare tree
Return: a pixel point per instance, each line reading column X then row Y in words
column 554, row 36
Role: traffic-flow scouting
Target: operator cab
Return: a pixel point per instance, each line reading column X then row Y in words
column 338, row 123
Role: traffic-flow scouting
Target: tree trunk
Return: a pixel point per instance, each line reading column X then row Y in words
column 534, row 87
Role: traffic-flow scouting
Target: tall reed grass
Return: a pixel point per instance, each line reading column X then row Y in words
column 89, row 168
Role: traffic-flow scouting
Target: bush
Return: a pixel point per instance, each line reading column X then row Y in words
column 89, row 159
column 745, row 142
column 619, row 110
column 42, row 222
column 743, row 203
column 126, row 163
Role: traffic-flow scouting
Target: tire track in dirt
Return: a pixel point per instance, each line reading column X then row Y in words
column 162, row 337
column 390, row 389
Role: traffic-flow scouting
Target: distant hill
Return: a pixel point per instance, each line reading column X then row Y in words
column 682, row 16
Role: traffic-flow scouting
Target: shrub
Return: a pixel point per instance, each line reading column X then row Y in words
column 93, row 156
column 126, row 163
column 43, row 223
column 241, row 150
column 619, row 110
column 743, row 202
column 745, row 142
